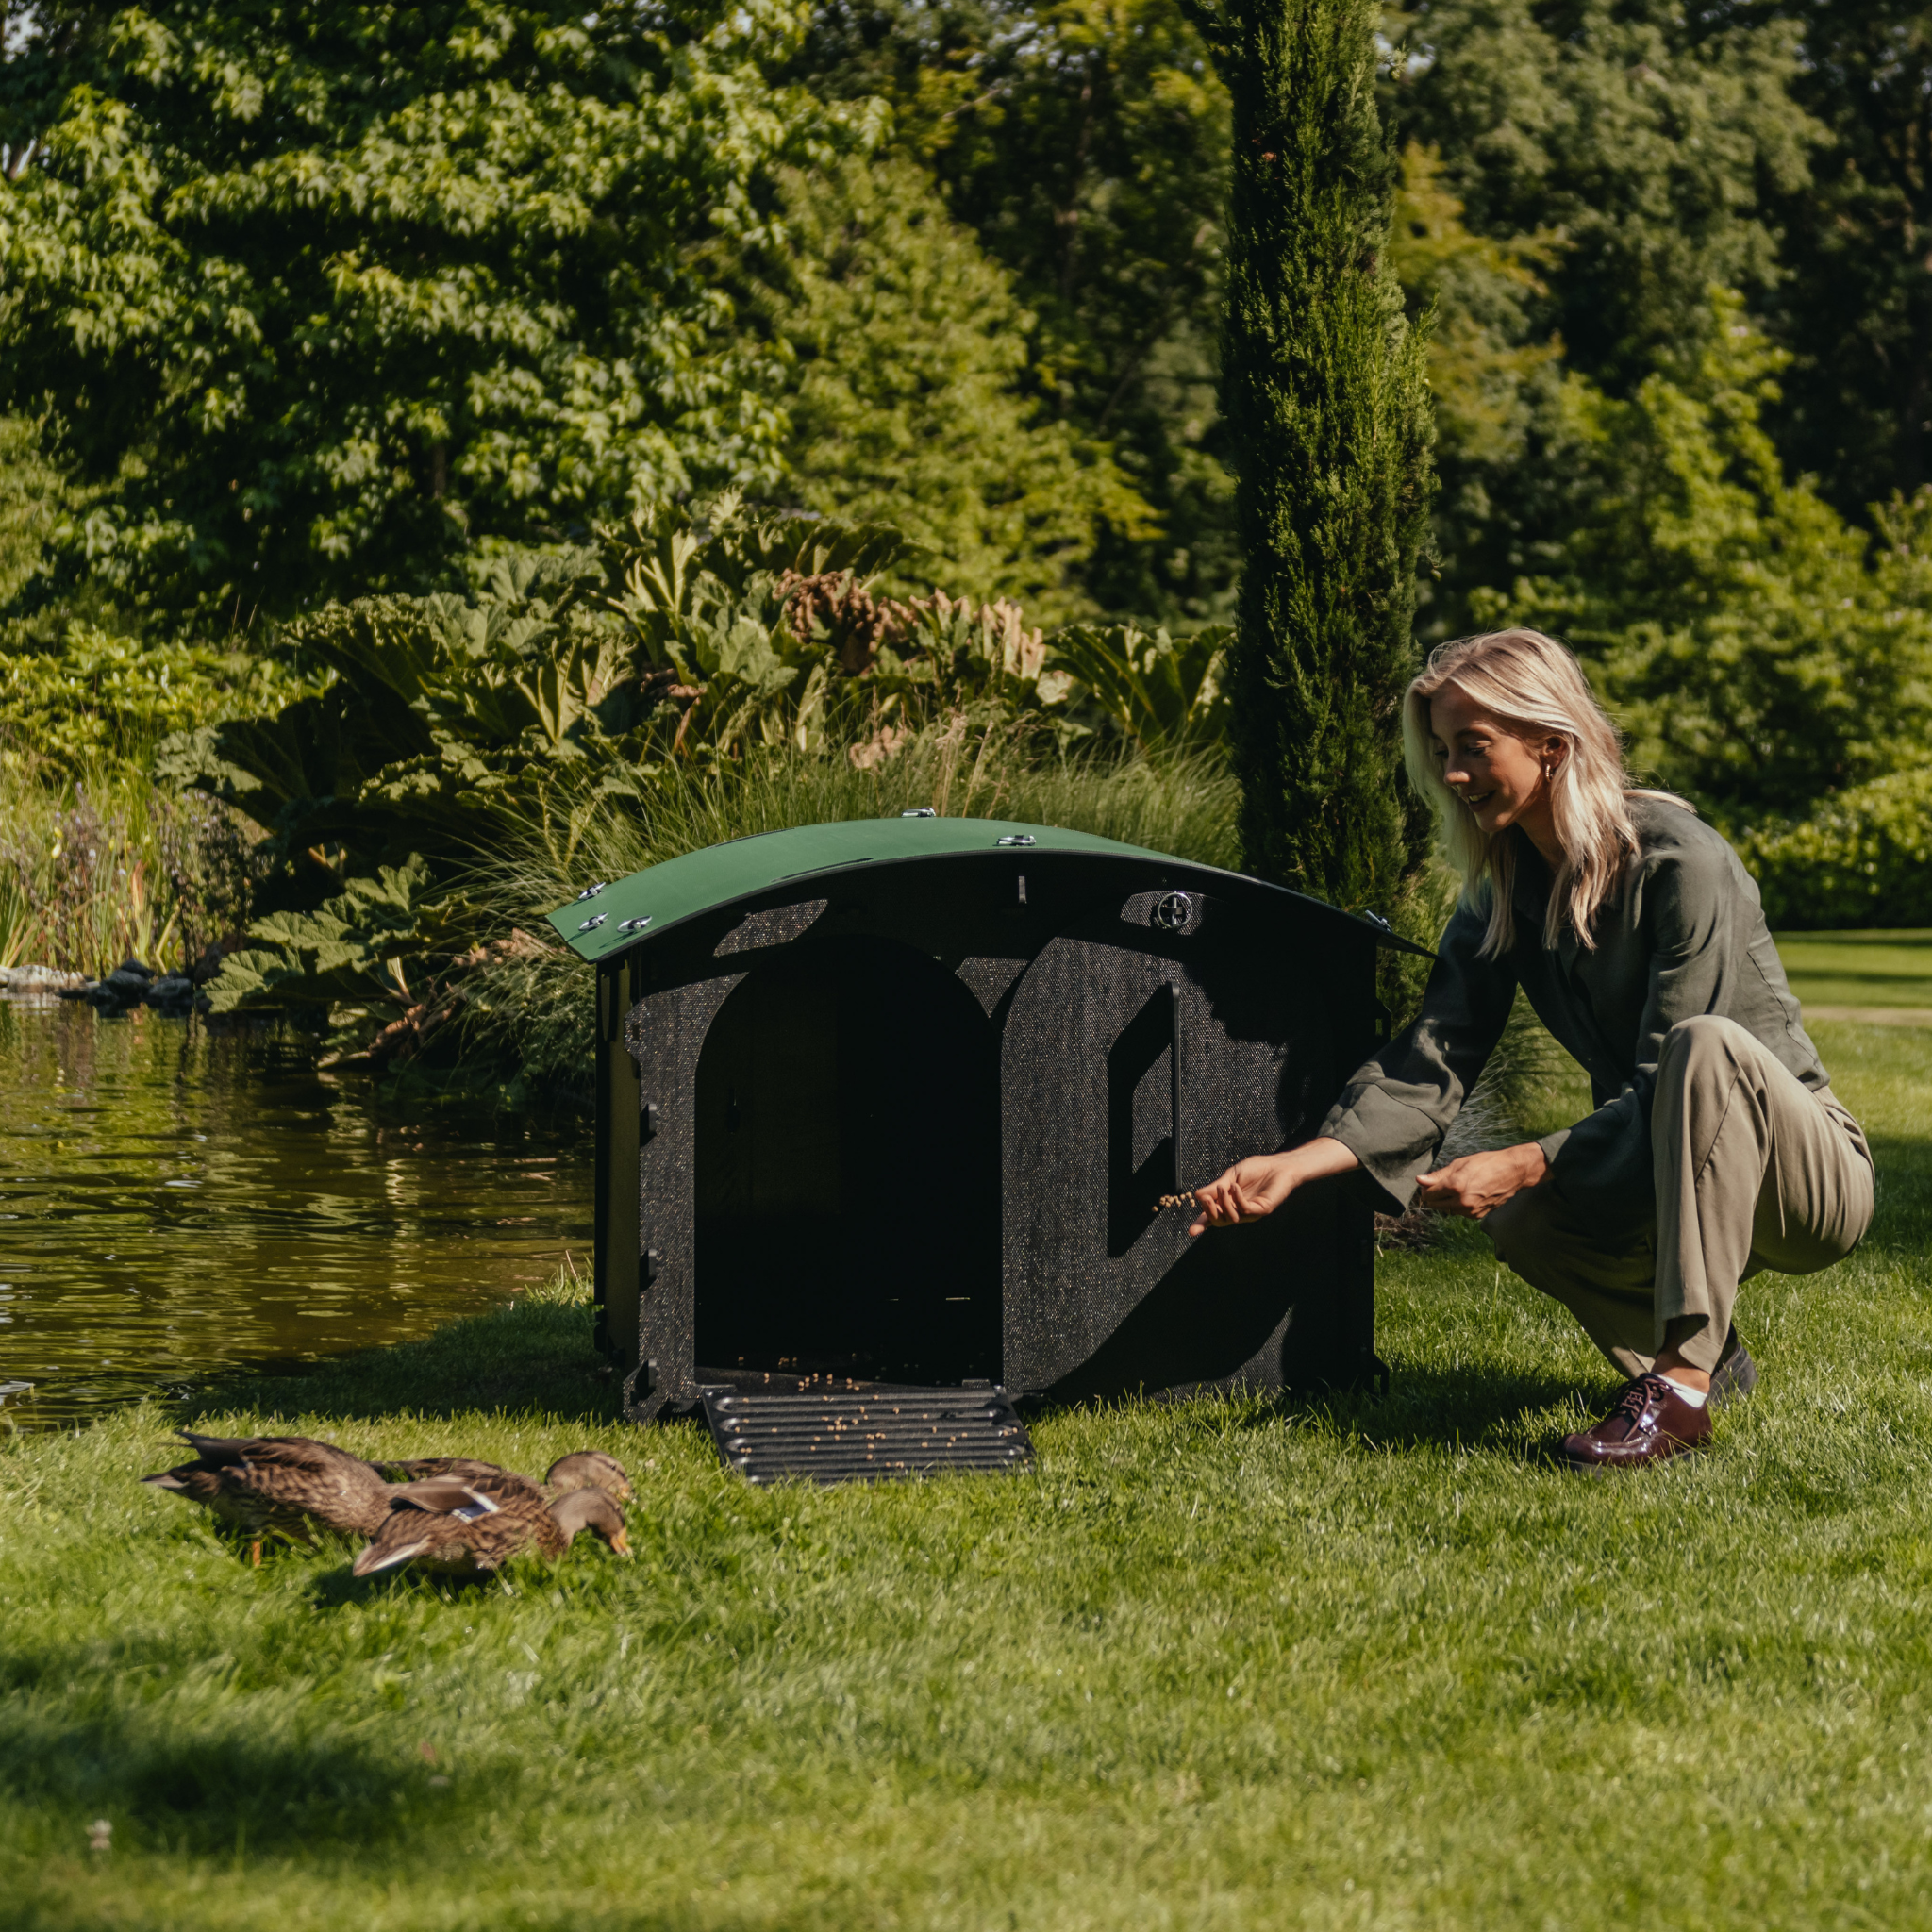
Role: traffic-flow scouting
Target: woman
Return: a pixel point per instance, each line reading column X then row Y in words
column 1716, row 1147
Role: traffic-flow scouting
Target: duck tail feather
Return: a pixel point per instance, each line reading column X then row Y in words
column 368, row 1561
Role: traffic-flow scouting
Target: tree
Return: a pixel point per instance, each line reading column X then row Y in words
column 907, row 349
column 1856, row 309
column 1326, row 398
column 1645, row 133
column 1760, row 651
column 1593, row 166
column 1086, row 143
column 1478, row 290
column 319, row 295
column 1498, row 385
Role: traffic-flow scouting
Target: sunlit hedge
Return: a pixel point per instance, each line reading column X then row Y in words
column 1864, row 858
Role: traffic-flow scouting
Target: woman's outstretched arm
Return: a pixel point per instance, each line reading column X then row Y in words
column 1263, row 1182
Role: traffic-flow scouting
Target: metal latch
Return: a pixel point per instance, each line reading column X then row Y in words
column 1173, row 913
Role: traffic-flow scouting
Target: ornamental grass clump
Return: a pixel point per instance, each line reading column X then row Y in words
column 526, row 1008
column 98, row 869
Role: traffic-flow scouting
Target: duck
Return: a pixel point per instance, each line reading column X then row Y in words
column 279, row 1485
column 583, row 1469
column 472, row 1526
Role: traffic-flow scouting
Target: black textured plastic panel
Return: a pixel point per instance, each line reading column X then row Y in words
column 865, row 1435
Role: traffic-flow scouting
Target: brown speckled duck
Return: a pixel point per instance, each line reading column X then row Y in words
column 279, row 1484
column 583, row 1469
column 471, row 1527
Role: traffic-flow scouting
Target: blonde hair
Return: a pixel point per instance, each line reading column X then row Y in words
column 1536, row 688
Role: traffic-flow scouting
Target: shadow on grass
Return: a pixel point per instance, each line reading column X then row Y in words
column 1454, row 1408
column 1467, row 1407
column 535, row 1358
column 208, row 1784
column 336, row 1590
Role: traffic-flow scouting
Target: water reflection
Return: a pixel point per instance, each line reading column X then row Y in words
column 173, row 1202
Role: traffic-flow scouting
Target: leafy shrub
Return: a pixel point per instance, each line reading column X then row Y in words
column 100, row 699
column 443, row 721
column 1864, row 858
column 571, row 681
column 1153, row 688
column 689, row 675
column 766, row 629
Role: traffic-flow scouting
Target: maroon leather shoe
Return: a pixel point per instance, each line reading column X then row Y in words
column 1650, row 1421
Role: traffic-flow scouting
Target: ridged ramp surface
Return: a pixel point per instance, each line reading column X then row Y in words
column 843, row 1436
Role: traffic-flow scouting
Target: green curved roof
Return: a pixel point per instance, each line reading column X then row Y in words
column 612, row 916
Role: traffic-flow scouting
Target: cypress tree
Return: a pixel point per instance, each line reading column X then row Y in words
column 1326, row 392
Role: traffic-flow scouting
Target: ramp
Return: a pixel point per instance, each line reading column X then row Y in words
column 864, row 1435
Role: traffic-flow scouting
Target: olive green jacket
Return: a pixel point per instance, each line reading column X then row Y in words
column 1684, row 935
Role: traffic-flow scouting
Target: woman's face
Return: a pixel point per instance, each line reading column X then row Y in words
column 1498, row 777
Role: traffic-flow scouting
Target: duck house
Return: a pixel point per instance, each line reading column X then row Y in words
column 893, row 1104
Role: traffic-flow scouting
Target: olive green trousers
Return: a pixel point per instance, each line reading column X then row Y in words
column 1753, row 1169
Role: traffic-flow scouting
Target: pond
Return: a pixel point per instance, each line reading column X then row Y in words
column 175, row 1202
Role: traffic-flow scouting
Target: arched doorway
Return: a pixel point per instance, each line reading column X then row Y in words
column 848, row 1172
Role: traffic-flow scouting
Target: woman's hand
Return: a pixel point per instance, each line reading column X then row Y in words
column 1263, row 1182
column 1480, row 1182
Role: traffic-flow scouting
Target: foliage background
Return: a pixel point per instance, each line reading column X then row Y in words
column 320, row 296
column 358, row 334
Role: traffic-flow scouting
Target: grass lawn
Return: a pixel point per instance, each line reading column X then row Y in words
column 1860, row 969
column 1372, row 1664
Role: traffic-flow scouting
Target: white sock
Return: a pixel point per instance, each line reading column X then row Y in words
column 1683, row 1390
